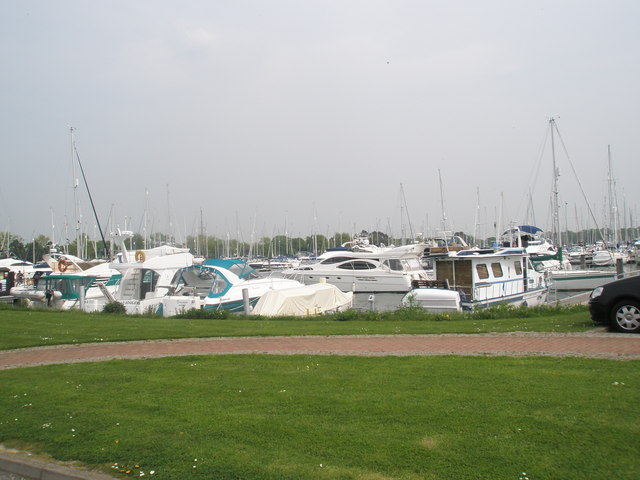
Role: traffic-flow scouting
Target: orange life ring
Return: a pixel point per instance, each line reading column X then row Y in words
column 140, row 256
column 63, row 265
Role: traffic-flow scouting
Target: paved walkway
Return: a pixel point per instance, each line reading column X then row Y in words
column 595, row 344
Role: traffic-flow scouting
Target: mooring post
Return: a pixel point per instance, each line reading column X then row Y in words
column 619, row 268
column 245, row 301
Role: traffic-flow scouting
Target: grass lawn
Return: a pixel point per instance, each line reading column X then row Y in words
column 308, row 417
column 27, row 328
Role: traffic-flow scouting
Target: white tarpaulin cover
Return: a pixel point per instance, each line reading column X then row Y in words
column 301, row 301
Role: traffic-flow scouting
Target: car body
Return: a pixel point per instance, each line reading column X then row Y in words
column 617, row 304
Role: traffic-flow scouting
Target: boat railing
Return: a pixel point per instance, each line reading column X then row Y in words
column 466, row 291
column 422, row 283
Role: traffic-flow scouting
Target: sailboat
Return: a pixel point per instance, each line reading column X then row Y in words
column 563, row 276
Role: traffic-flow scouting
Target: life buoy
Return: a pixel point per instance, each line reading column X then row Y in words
column 63, row 265
column 140, row 256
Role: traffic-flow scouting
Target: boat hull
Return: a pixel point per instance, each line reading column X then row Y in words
column 363, row 283
column 531, row 298
column 576, row 280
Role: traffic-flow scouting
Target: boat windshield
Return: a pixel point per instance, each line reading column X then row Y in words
column 220, row 285
column 412, row 264
column 200, row 281
column 403, row 264
column 243, row 270
column 332, row 260
column 69, row 286
column 394, row 264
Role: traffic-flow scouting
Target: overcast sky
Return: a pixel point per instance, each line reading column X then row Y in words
column 308, row 116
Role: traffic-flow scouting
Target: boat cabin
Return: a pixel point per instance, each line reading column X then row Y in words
column 487, row 277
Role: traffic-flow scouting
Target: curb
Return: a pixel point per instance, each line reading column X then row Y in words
column 30, row 469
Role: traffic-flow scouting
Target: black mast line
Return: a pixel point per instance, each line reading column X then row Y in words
column 106, row 247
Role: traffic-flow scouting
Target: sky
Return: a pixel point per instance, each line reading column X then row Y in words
column 256, row 118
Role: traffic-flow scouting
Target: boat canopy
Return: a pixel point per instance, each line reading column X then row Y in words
column 213, row 278
column 68, row 285
column 241, row 268
column 529, row 229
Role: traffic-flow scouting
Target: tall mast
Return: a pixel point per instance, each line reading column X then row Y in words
column 53, row 230
column 170, row 232
column 477, row 217
column 556, row 173
column 613, row 201
column 402, row 232
column 146, row 213
column 444, row 215
column 75, row 196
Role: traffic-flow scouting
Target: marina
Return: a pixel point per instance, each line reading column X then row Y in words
column 377, row 271
column 169, row 280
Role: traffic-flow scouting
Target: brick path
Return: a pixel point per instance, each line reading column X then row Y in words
column 591, row 344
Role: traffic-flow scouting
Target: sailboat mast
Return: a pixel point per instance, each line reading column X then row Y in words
column 444, row 215
column 146, row 210
column 477, row 217
column 75, row 195
column 556, row 207
column 613, row 201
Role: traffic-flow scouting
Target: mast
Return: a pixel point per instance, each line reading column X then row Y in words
column 444, row 215
column 170, row 232
column 53, row 230
column 555, row 231
column 406, row 210
column 477, row 217
column 146, row 214
column 613, row 203
column 75, row 196
column 201, row 236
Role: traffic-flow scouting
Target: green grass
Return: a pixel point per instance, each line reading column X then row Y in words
column 28, row 328
column 308, row 417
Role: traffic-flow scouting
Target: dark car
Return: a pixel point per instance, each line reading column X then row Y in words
column 617, row 304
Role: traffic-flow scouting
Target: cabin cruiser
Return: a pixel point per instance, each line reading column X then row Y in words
column 74, row 283
column 371, row 270
column 145, row 283
column 76, row 288
column 471, row 279
column 219, row 284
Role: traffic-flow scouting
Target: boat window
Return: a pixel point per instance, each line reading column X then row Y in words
column 149, row 281
column 243, row 270
column 194, row 281
column 357, row 265
column 483, row 271
column 496, row 268
column 412, row 264
column 394, row 264
column 332, row 260
column 518, row 267
column 220, row 285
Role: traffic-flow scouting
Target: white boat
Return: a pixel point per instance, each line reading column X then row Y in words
column 66, row 263
column 609, row 257
column 84, row 290
column 89, row 286
column 373, row 270
column 219, row 284
column 145, row 283
column 307, row 300
column 577, row 280
column 482, row 278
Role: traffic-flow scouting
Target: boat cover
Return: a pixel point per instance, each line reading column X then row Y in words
column 301, row 301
